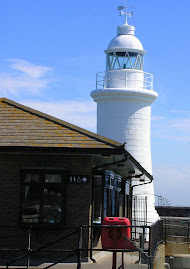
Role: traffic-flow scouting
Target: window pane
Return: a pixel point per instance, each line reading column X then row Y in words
column 31, row 203
column 108, row 62
column 115, row 184
column 51, row 178
column 127, row 64
column 97, row 181
column 111, row 60
column 138, row 63
column 121, row 205
column 113, row 203
column 105, row 202
column 133, row 57
column 52, row 204
column 97, row 204
column 107, row 181
column 109, row 208
column 115, row 63
column 133, row 60
column 31, row 178
column 142, row 60
column 121, row 61
column 127, row 188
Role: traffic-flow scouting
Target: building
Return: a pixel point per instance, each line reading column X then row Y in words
column 124, row 94
column 55, row 176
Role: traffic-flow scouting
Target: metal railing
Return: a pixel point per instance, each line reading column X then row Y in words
column 161, row 201
column 139, row 246
column 156, row 236
column 146, row 251
column 28, row 251
column 123, row 78
column 176, row 230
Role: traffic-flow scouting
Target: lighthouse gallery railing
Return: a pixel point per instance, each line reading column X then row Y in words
column 129, row 79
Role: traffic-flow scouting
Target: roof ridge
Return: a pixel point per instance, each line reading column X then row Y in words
column 73, row 127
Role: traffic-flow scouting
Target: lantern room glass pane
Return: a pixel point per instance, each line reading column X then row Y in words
column 121, row 60
column 142, row 60
column 138, row 64
column 133, row 57
column 124, row 60
column 116, row 63
column 127, row 64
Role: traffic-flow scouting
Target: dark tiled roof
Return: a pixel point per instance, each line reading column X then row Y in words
column 25, row 127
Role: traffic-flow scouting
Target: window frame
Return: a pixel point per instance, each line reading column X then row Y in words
column 42, row 172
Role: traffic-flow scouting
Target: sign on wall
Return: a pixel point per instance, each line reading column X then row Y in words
column 76, row 179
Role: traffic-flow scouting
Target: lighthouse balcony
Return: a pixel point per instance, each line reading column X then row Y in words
column 124, row 79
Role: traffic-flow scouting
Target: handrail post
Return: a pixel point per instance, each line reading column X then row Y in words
column 143, row 237
column 29, row 247
column 149, row 244
column 79, row 247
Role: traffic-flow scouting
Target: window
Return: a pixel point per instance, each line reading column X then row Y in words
column 112, row 192
column 43, row 196
column 124, row 60
column 97, row 198
column 111, row 195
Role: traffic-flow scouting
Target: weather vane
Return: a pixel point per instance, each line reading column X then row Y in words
column 121, row 8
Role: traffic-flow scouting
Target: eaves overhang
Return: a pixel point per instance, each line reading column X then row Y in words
column 122, row 164
column 117, row 158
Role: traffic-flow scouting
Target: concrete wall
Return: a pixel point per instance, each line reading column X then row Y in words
column 174, row 211
column 178, row 255
column 159, row 259
column 173, row 248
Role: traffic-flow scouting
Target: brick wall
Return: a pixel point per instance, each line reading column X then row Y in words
column 77, row 207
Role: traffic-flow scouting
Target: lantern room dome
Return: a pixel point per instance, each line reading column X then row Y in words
column 125, row 43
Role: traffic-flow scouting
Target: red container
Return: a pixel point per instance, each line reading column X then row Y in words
column 112, row 238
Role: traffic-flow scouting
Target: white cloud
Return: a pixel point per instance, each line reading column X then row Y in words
column 23, row 77
column 79, row 112
column 179, row 111
column 157, row 118
column 32, row 70
column 175, row 127
column 181, row 124
column 179, row 137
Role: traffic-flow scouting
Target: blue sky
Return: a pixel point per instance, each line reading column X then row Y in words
column 50, row 52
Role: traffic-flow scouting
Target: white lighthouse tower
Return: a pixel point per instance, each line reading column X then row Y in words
column 124, row 94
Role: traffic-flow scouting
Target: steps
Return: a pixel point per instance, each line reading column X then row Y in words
column 180, row 261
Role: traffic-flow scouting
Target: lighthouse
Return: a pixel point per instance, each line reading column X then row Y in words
column 124, row 95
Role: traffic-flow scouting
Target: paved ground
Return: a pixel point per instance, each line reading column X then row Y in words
column 101, row 263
